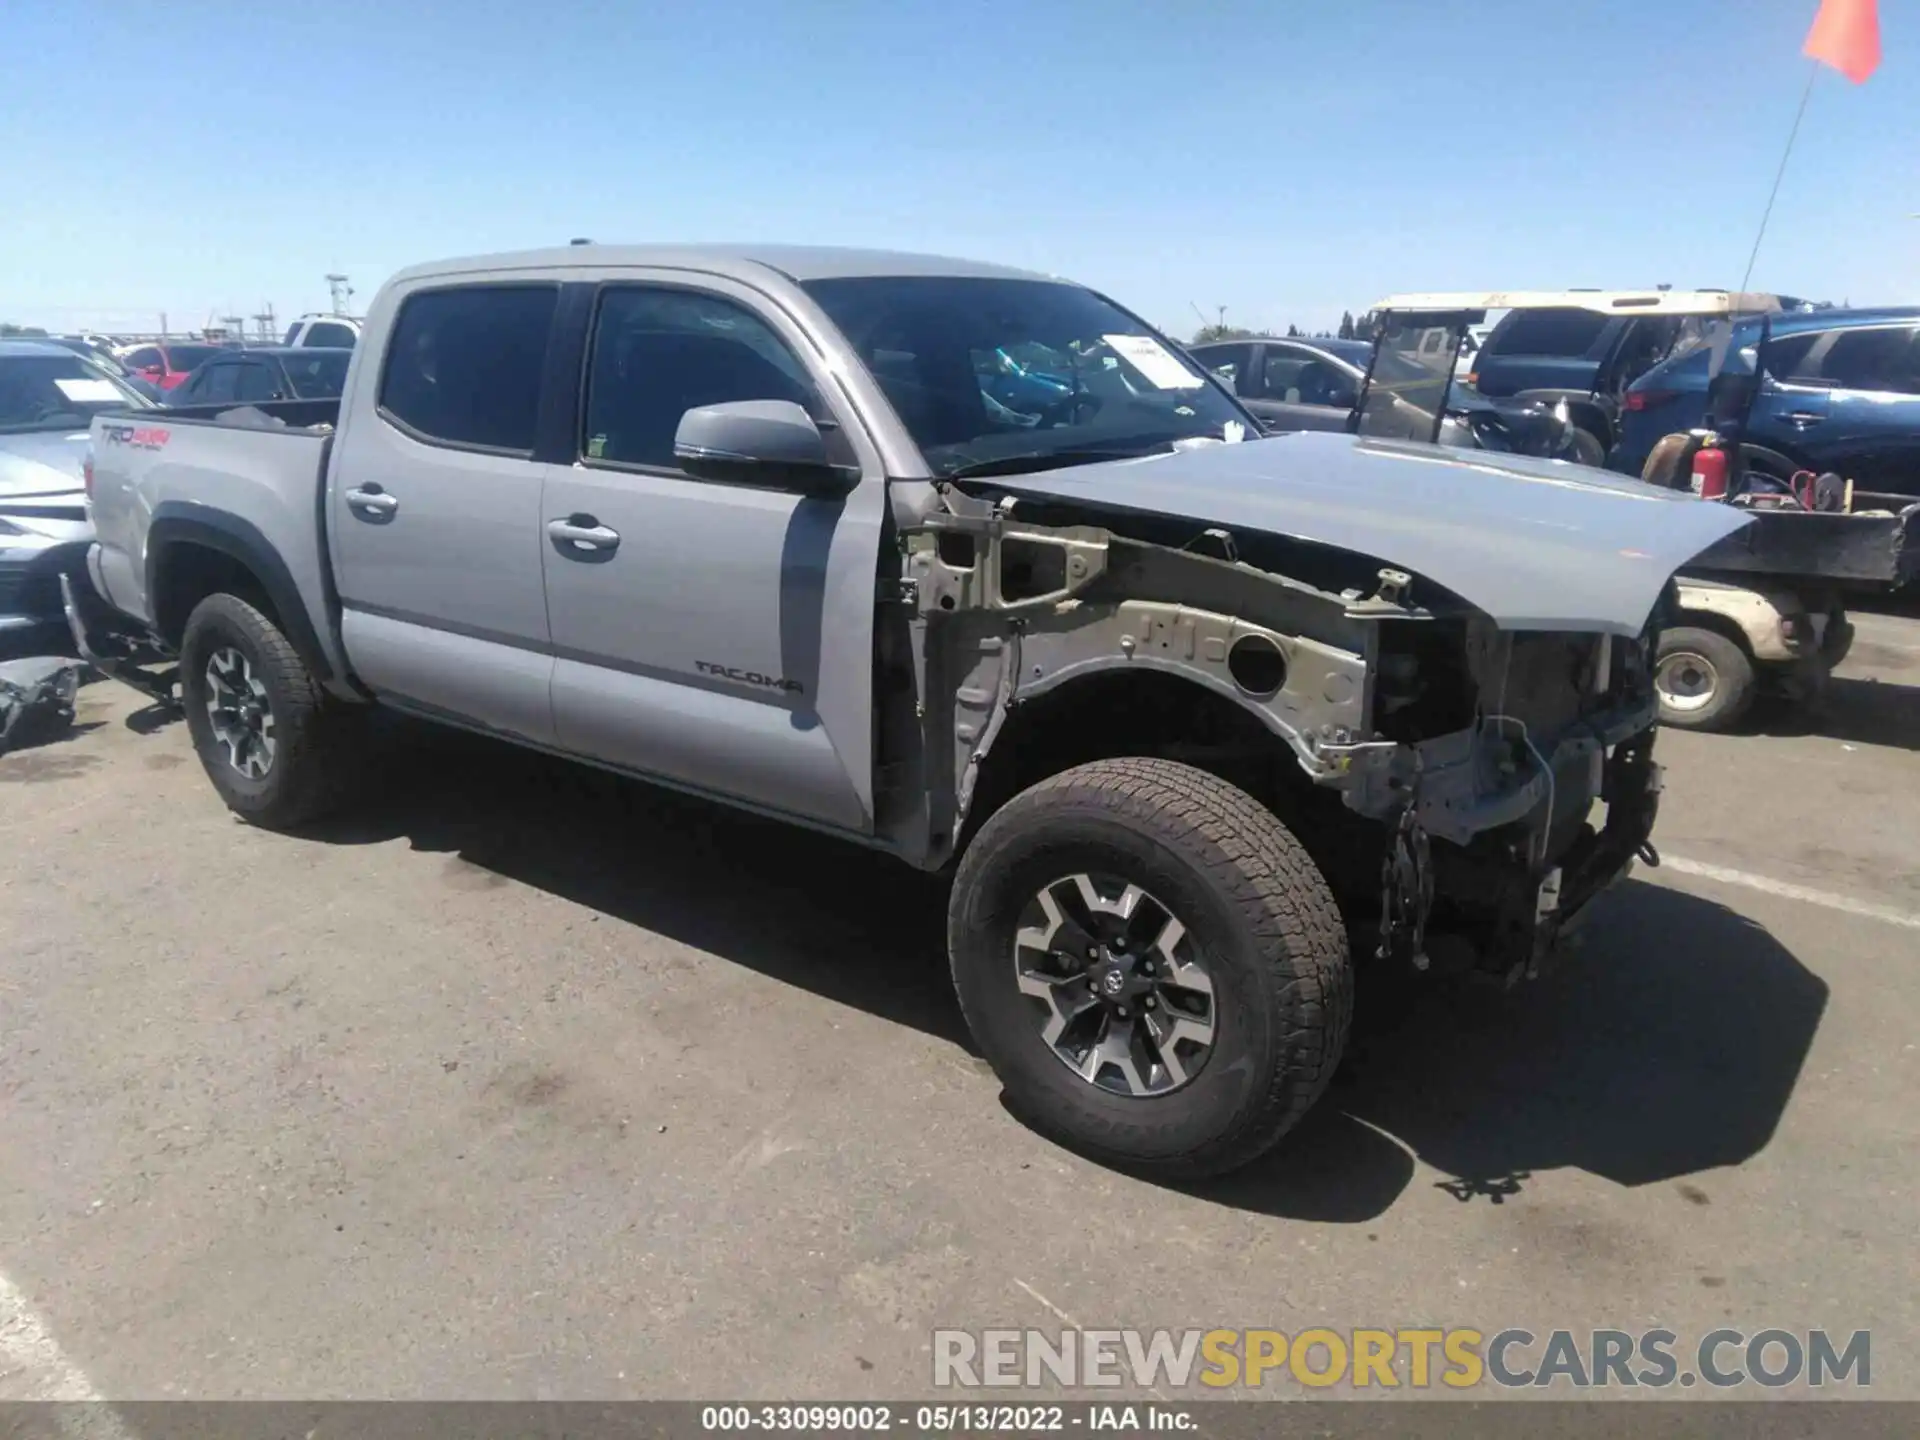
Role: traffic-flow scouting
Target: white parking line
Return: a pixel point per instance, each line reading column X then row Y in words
column 1785, row 890
column 34, row 1367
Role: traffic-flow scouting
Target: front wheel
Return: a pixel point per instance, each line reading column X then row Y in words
column 1152, row 964
column 267, row 735
column 1704, row 680
column 1584, row 448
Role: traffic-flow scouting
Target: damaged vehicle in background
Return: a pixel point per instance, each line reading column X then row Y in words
column 47, row 395
column 1195, row 719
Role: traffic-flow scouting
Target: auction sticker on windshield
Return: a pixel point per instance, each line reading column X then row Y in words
column 1153, row 360
column 88, row 392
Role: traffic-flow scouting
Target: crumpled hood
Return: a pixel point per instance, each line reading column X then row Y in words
column 42, row 462
column 1536, row 544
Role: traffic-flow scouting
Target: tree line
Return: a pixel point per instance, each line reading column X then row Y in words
column 1350, row 329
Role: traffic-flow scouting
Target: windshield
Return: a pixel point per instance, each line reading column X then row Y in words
column 58, row 392
column 320, row 375
column 1411, row 378
column 981, row 370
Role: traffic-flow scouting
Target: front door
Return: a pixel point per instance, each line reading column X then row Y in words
column 716, row 635
column 435, row 513
column 1868, row 428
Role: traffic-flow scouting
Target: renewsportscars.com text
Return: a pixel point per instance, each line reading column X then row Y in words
column 1458, row 1358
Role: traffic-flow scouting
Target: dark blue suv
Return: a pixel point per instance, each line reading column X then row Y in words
column 1841, row 393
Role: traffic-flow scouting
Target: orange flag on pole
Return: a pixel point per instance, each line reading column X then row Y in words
column 1846, row 35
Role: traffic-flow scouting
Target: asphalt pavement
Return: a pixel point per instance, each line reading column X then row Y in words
column 523, row 1082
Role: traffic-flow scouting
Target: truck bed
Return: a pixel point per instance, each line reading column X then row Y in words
column 1878, row 547
column 246, row 480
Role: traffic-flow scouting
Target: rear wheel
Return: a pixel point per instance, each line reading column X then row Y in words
column 269, row 738
column 1152, row 965
column 1704, row 680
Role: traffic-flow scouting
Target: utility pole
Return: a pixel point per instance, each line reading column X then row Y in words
column 341, row 291
column 264, row 322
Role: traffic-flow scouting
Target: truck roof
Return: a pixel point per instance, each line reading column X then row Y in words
column 796, row 262
column 1604, row 302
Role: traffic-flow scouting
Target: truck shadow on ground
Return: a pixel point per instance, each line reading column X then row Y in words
column 1668, row 1044
column 1860, row 712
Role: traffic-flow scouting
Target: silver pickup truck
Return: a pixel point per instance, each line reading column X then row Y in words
column 966, row 564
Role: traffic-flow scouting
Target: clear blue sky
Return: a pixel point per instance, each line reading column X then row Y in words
column 1287, row 159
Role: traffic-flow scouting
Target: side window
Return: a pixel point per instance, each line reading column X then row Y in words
column 1786, row 354
column 145, row 358
column 463, row 365
column 1281, row 372
column 292, row 331
column 658, row 353
column 254, row 381
column 1229, row 362
column 217, row 383
column 1872, row 360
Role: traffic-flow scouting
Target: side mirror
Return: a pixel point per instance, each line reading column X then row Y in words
column 772, row 443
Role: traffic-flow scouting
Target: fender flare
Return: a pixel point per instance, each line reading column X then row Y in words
column 176, row 523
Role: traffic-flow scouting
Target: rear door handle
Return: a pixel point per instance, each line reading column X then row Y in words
column 581, row 536
column 370, row 502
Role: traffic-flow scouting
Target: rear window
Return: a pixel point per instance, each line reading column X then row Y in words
column 1547, row 332
column 463, row 367
column 329, row 334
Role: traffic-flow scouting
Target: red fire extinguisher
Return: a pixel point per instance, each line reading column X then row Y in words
column 1710, row 473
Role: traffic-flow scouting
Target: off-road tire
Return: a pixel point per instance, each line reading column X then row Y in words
column 310, row 768
column 1252, row 901
column 1734, row 684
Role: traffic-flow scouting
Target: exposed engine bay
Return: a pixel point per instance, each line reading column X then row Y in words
column 1443, row 772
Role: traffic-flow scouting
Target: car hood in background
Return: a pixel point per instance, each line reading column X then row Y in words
column 1536, row 544
column 42, row 462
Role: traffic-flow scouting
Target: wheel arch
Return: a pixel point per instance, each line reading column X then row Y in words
column 193, row 553
column 1105, row 711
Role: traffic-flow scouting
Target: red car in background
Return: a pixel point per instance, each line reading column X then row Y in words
column 167, row 365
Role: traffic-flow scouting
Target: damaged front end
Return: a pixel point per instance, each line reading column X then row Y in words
column 1444, row 772
column 1487, row 765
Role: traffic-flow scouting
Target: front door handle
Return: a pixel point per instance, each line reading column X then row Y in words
column 370, row 502
column 1804, row 418
column 583, row 537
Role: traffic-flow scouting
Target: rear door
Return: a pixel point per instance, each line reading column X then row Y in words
column 716, row 635
column 1859, row 414
column 434, row 504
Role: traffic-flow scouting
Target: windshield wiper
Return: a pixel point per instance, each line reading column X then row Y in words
column 1028, row 462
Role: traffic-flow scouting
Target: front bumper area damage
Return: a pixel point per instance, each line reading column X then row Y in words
column 1492, row 882
column 1443, row 769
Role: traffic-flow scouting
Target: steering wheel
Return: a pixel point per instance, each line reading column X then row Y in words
column 1067, row 411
